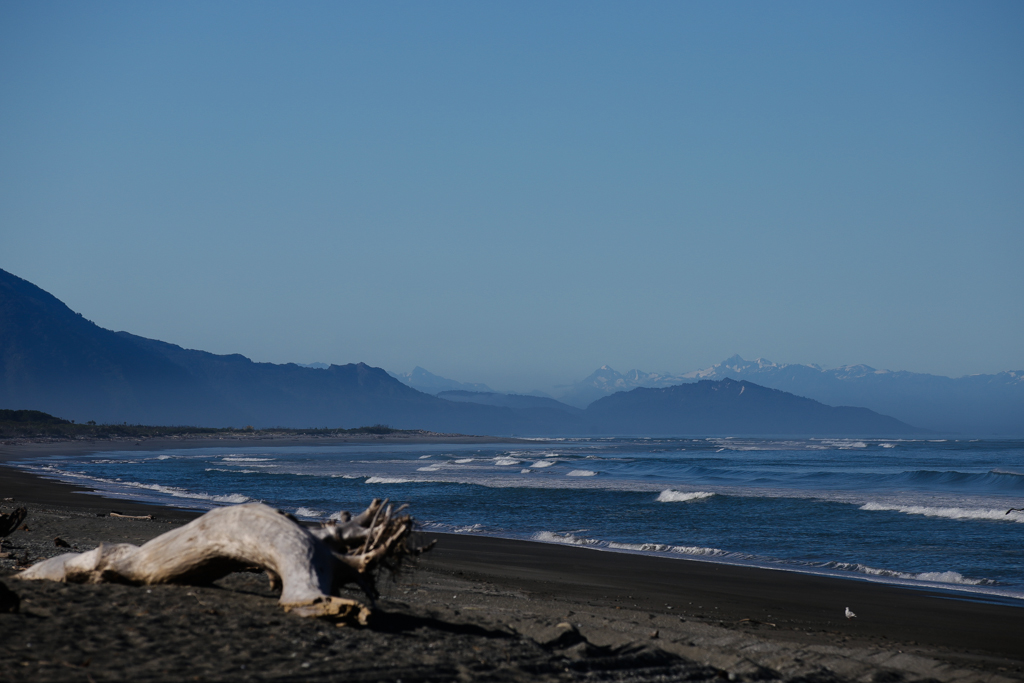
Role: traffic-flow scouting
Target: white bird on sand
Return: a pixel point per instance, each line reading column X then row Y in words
column 850, row 614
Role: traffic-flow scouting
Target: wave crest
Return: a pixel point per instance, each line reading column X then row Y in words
column 935, row 577
column 670, row 496
column 994, row 514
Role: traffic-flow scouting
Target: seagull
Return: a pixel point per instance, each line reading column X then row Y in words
column 850, row 614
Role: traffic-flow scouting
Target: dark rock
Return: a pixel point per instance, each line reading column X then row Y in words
column 10, row 603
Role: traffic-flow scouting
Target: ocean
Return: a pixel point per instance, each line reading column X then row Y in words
column 928, row 513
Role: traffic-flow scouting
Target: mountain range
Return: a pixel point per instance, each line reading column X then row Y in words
column 974, row 404
column 53, row 359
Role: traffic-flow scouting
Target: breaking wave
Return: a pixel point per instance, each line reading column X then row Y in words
column 947, row 577
column 565, row 539
column 582, row 473
column 174, row 491
column 573, row 539
column 454, row 528
column 934, row 577
column 994, row 514
column 670, row 496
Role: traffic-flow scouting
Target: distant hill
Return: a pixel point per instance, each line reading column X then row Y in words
column 30, row 417
column 977, row 405
column 605, row 381
column 734, row 408
column 971, row 405
column 429, row 383
column 54, row 360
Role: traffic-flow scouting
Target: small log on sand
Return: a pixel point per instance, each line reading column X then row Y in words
column 309, row 565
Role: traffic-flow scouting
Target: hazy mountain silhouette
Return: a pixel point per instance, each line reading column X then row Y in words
column 429, row 383
column 605, row 381
column 970, row 405
column 52, row 359
column 730, row 407
column 973, row 404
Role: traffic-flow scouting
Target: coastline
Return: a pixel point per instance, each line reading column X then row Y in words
column 718, row 615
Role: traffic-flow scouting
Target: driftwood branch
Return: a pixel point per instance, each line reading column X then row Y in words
column 11, row 521
column 309, row 565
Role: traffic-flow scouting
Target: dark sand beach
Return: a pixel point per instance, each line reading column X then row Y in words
column 475, row 608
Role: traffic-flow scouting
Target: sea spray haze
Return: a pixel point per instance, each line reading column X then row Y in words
column 891, row 510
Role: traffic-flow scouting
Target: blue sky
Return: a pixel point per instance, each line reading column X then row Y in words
column 517, row 193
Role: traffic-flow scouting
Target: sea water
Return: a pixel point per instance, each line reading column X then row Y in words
column 918, row 512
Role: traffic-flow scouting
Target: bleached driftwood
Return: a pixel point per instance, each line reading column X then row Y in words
column 309, row 565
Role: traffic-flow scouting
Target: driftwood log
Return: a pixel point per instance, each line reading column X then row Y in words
column 308, row 564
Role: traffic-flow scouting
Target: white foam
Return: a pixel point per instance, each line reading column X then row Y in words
column 573, row 539
column 567, row 539
column 236, row 459
column 388, row 480
column 641, row 547
column 309, row 513
column 424, row 457
column 463, row 461
column 843, row 444
column 934, row 577
column 544, row 463
column 428, row 468
column 670, row 496
column 164, row 457
column 887, row 445
column 582, row 473
column 454, row 528
column 506, row 461
column 233, row 498
column 526, row 471
column 995, row 514
column 698, row 551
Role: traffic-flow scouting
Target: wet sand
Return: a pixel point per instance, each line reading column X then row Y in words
column 477, row 608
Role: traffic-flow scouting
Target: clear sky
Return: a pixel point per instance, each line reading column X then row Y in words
column 517, row 193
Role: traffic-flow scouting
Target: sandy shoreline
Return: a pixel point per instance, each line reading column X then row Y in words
column 477, row 608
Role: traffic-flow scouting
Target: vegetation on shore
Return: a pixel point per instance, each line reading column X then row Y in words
column 37, row 424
